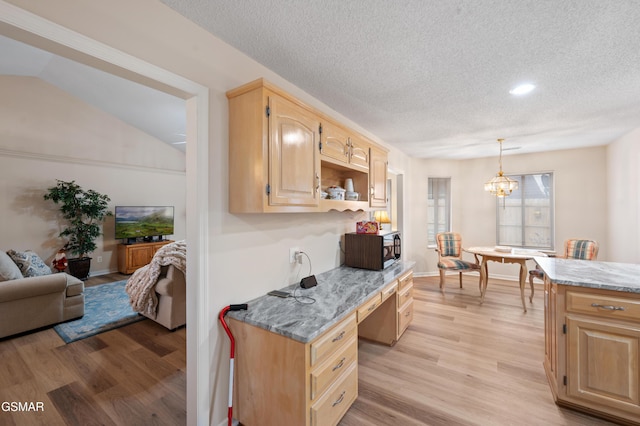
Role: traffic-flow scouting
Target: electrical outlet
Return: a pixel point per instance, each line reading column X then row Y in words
column 293, row 251
column 99, row 259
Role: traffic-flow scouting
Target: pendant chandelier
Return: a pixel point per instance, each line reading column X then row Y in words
column 500, row 185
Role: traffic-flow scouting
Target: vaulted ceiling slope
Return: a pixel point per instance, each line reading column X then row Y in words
column 156, row 113
column 432, row 77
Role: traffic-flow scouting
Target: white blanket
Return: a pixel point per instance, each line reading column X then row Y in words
column 141, row 285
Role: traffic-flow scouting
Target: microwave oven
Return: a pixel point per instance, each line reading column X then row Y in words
column 372, row 251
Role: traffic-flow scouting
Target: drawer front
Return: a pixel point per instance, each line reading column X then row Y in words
column 333, row 339
column 405, row 316
column 405, row 295
column 405, row 280
column 369, row 306
column 330, row 370
column 389, row 290
column 336, row 401
column 603, row 305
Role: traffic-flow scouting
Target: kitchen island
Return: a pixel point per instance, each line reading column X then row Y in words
column 592, row 336
column 297, row 357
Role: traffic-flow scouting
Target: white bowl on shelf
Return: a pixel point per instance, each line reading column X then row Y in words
column 351, row 196
column 336, row 193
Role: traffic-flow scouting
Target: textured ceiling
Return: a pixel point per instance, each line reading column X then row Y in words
column 432, row 77
column 428, row 76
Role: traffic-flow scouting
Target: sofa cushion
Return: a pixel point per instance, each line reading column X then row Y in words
column 8, row 268
column 29, row 263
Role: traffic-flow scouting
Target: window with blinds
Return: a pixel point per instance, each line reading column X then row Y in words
column 438, row 208
column 525, row 218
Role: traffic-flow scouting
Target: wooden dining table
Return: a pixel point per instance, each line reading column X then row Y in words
column 504, row 255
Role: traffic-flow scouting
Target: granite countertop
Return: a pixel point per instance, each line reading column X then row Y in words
column 338, row 293
column 587, row 273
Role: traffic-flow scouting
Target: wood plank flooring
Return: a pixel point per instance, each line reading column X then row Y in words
column 462, row 363
column 458, row 363
column 134, row 375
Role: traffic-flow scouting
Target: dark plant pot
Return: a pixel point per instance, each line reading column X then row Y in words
column 79, row 267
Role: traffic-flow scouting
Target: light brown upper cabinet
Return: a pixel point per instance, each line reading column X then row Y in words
column 341, row 145
column 283, row 153
column 274, row 164
column 378, row 178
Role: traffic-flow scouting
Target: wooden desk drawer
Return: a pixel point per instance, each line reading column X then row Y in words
column 603, row 305
column 405, row 295
column 333, row 339
column 336, row 401
column 326, row 373
column 405, row 280
column 369, row 307
column 405, row 316
column 389, row 290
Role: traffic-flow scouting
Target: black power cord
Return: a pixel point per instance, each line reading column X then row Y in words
column 305, row 300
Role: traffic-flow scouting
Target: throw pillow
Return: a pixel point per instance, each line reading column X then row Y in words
column 8, row 269
column 29, row 263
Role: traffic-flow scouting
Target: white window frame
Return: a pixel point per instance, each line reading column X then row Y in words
column 502, row 203
column 432, row 227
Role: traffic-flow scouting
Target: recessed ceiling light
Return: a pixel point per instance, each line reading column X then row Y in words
column 523, row 89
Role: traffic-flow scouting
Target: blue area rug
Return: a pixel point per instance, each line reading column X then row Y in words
column 106, row 307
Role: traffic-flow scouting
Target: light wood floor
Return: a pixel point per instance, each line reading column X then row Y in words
column 134, row 375
column 460, row 363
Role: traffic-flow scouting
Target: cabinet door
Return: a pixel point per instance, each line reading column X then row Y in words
column 359, row 153
column 140, row 256
column 378, row 178
column 550, row 326
column 294, row 162
column 335, row 143
column 603, row 363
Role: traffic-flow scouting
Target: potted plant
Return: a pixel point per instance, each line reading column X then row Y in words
column 84, row 210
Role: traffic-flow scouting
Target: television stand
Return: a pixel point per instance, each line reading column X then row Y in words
column 135, row 256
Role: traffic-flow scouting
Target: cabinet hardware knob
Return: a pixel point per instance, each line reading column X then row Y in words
column 339, row 365
column 407, row 314
column 608, row 307
column 317, row 182
column 339, row 400
column 372, row 307
column 338, row 337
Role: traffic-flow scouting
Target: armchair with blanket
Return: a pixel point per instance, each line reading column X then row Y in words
column 158, row 290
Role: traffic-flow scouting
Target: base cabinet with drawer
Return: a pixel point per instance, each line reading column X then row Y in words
column 593, row 350
column 395, row 312
column 280, row 381
column 283, row 381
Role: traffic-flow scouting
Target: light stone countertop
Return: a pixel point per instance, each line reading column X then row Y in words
column 338, row 293
column 623, row 277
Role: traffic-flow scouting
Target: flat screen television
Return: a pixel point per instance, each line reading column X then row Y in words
column 143, row 222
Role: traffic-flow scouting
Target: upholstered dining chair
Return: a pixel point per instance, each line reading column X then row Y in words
column 450, row 257
column 573, row 249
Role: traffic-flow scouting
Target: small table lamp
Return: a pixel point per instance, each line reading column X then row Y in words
column 381, row 216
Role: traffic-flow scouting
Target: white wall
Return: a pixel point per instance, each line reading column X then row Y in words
column 47, row 134
column 623, row 160
column 580, row 200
